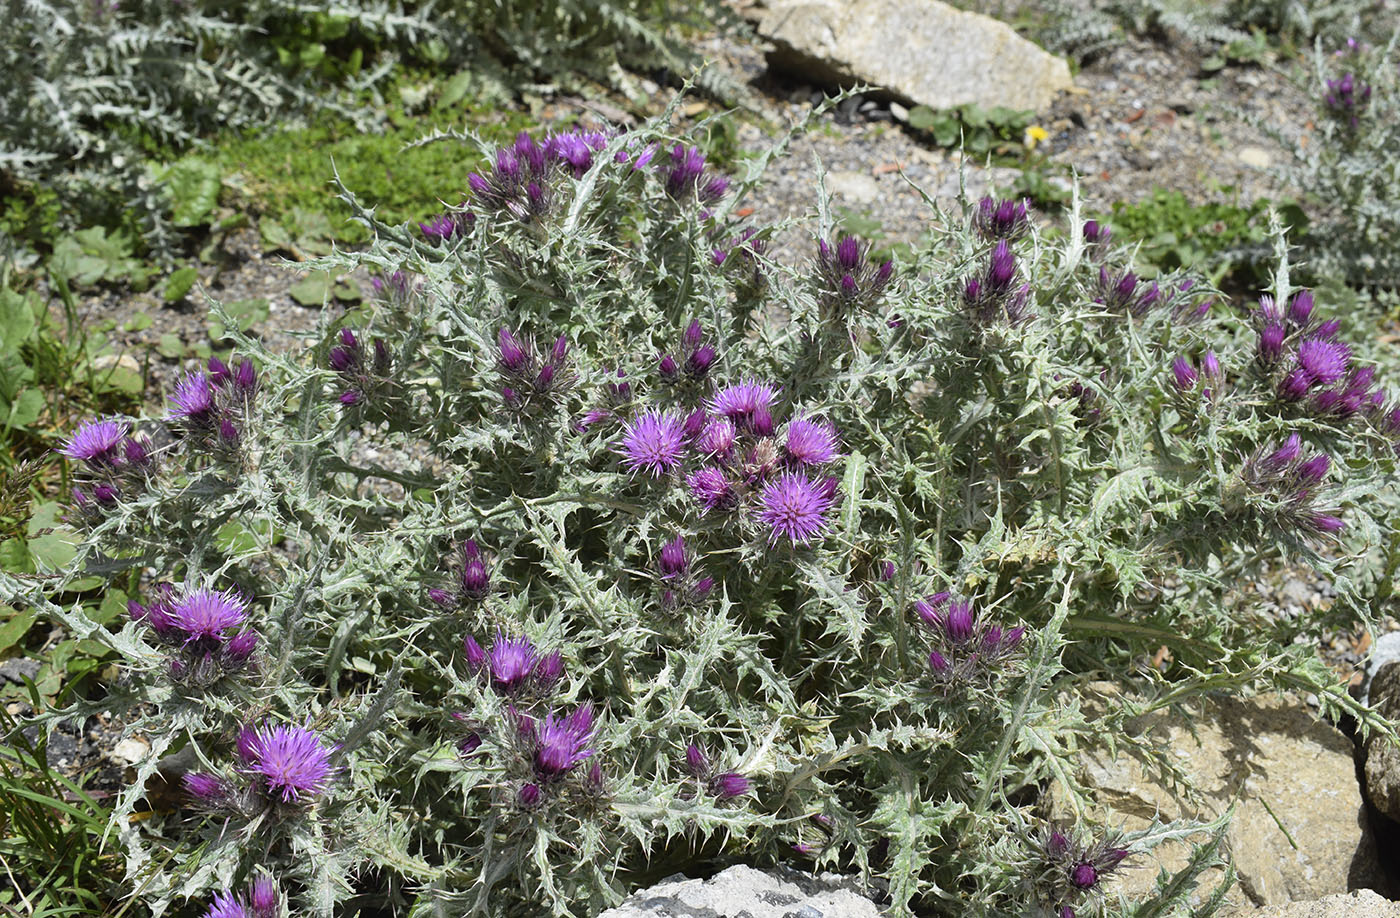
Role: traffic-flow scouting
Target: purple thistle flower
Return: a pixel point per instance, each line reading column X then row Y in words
column 695, row 423
column 1300, row 308
column 1083, row 876
column 930, row 608
column 529, row 796
column 514, row 359
column 810, row 442
column 718, row 438
column 204, row 615
column 995, row 219
column 1184, row 375
column 958, row 623
column 294, row 764
column 227, row 905
column 193, row 398
column 241, row 646
column 794, row 507
column 264, row 897
column 700, row 360
column 1271, row 342
column 654, row 443
column 1324, row 360
column 1323, row 523
column 729, row 785
column 475, row 580
column 476, row 657
column 206, row 789
column 512, row 660
column 674, row 561
column 668, row 368
column 938, row 663
column 712, row 489
column 1295, row 385
column 549, row 670
column 1312, row 471
column 741, row 401
column 696, row 762
column 562, row 743
column 96, row 441
column 1097, row 235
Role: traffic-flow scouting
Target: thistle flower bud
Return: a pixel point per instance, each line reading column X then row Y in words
column 514, row 360
column 729, row 785
column 476, row 657
column 1271, row 342
column 673, row 558
column 204, row 789
column 700, row 360
column 1184, row 375
column 264, row 897
column 1300, row 308
column 241, row 646
column 667, row 366
column 696, row 761
column 529, row 796
column 958, row 624
column 549, row 670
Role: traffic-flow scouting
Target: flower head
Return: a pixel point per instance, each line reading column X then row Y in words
column 205, row 615
column 810, row 442
column 1324, row 360
column 653, row 443
column 96, row 441
column 562, row 743
column 741, row 402
column 193, row 398
column 293, row 762
column 795, row 508
column 729, row 785
column 264, row 897
column 227, row 905
column 512, row 661
column 995, row 219
column 204, row 788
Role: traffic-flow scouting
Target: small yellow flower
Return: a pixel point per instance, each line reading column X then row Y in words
column 1034, row 135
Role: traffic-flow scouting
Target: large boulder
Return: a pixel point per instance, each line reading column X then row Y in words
column 1382, row 755
column 743, row 892
column 1360, row 904
column 1300, row 831
column 919, row 51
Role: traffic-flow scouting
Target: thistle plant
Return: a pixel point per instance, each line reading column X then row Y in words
column 1346, row 169
column 644, row 562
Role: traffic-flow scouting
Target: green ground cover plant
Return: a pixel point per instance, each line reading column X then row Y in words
column 98, row 96
column 665, row 552
column 1229, row 242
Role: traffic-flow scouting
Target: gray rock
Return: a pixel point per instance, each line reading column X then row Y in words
column 922, row 52
column 1300, row 831
column 743, row 892
column 1382, row 755
column 854, row 187
column 1360, row 904
column 1386, row 650
column 17, row 669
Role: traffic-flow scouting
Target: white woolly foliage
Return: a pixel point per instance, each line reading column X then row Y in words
column 1109, row 525
column 87, row 81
